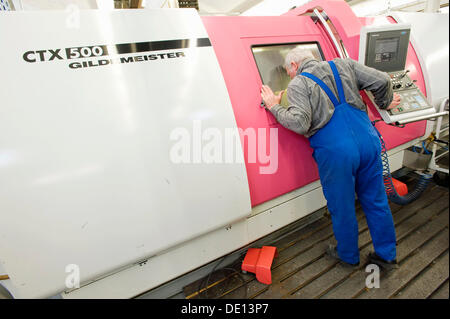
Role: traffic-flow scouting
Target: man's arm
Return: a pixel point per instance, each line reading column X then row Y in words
column 296, row 117
column 377, row 82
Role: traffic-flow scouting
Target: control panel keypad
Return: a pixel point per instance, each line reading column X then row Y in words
column 411, row 98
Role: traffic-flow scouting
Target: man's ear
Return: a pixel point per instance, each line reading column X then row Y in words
column 294, row 66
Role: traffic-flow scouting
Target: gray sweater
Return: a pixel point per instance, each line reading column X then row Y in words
column 309, row 106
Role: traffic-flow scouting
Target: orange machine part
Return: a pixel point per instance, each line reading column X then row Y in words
column 259, row 262
column 400, row 187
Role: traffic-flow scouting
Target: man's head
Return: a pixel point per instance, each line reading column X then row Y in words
column 294, row 60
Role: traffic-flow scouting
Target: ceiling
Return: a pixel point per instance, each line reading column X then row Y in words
column 236, row 7
column 229, row 7
column 361, row 7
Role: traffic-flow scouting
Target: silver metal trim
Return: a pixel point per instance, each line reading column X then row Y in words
column 330, row 33
column 420, row 118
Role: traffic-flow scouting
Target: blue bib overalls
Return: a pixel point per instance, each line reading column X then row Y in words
column 347, row 151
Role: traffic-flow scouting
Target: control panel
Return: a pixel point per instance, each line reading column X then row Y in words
column 411, row 98
column 385, row 47
column 413, row 103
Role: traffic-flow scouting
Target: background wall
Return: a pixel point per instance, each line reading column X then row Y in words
column 242, row 7
column 54, row 4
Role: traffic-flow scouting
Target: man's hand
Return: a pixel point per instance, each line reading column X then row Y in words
column 269, row 98
column 395, row 101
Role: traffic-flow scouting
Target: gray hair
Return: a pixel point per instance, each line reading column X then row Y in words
column 297, row 55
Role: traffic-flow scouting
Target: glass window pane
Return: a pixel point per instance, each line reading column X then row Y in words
column 270, row 62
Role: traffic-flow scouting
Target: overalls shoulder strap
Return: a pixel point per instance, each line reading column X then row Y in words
column 327, row 90
column 337, row 79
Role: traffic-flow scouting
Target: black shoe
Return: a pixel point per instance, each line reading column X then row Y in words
column 384, row 264
column 332, row 252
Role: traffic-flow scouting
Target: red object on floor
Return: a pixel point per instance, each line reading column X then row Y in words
column 259, row 261
column 400, row 187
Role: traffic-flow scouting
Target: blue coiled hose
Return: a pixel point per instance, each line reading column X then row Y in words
column 392, row 194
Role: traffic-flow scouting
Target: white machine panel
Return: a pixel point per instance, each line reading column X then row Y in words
column 429, row 37
column 86, row 176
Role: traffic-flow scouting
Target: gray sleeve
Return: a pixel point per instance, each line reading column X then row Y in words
column 296, row 117
column 377, row 82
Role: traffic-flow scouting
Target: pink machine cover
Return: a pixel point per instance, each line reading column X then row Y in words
column 232, row 38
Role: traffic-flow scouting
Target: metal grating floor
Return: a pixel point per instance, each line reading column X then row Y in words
column 302, row 270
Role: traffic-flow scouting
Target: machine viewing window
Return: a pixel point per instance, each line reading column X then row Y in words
column 270, row 62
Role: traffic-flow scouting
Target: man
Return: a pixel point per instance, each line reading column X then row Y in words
column 325, row 106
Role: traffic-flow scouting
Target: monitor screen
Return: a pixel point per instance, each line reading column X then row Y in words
column 270, row 62
column 387, row 50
